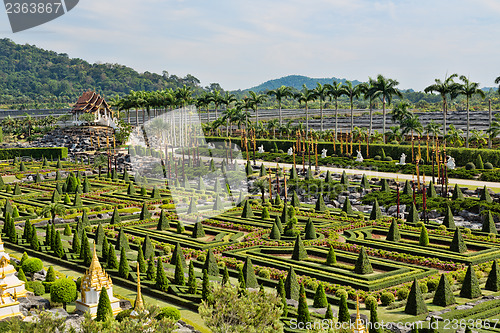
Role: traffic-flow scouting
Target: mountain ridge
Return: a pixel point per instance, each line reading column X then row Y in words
column 297, row 81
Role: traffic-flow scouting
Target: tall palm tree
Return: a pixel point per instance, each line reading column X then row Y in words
column 227, row 99
column 100, row 161
column 280, row 93
column 185, row 95
column 412, row 124
column 352, row 93
column 272, row 125
column 306, row 96
column 321, row 92
column 368, row 94
column 400, row 112
column 494, row 129
column 444, row 88
column 384, row 88
column 433, row 129
column 468, row 89
column 228, row 115
column 335, row 92
column 203, row 101
column 256, row 100
column 216, row 98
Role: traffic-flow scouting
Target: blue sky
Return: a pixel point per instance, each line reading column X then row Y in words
column 241, row 44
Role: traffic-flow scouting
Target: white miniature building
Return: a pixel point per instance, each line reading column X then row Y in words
column 92, row 283
column 10, row 287
column 8, row 276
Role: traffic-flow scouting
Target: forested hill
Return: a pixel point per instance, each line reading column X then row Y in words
column 296, row 81
column 28, row 72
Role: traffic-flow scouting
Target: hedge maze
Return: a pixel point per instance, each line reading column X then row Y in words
column 211, row 233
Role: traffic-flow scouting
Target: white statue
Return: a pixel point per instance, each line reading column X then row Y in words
column 359, row 158
column 290, row 151
column 402, row 159
column 323, row 153
column 211, row 145
column 451, row 163
column 261, row 149
column 236, row 148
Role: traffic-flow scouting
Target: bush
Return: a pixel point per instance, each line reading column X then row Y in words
column 402, row 293
column 169, row 312
column 488, row 166
column 265, row 273
column 423, row 288
column 369, row 301
column 37, row 287
column 387, row 298
column 432, row 284
column 470, row 166
column 387, row 159
column 377, row 158
column 123, row 314
column 32, row 265
column 340, row 292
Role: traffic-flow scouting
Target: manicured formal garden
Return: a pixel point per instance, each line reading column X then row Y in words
column 300, row 235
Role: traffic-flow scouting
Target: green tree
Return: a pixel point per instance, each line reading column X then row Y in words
column 249, row 274
column 299, row 251
column 54, row 209
column 446, row 88
column 192, row 285
column 444, row 295
column 470, row 286
column 104, row 310
column 384, row 89
column 344, row 316
column 205, row 287
column 363, row 265
column 320, row 297
column 331, row 259
column 123, row 268
column 161, row 277
column 141, row 261
column 58, row 247
column 493, row 281
column 147, row 247
column 151, row 271
column 280, row 93
column 423, row 240
column 112, row 260
column 179, row 272
column 415, row 304
column 63, row 291
column 229, row 311
column 468, row 89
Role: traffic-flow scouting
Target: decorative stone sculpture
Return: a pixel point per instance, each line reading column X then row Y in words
column 402, row 159
column 290, row 151
column 359, row 158
column 451, row 163
column 261, row 149
column 323, row 153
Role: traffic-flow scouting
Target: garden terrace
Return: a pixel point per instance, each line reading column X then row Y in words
column 215, row 237
column 386, row 273
column 439, row 245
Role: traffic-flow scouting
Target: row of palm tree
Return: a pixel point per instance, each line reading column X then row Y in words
column 233, row 110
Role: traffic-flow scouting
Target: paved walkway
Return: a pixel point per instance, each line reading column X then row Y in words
column 402, row 177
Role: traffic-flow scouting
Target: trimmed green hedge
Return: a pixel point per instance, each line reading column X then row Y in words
column 461, row 155
column 53, row 152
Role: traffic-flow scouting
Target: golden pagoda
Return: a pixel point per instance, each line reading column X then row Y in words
column 139, row 304
column 358, row 324
column 93, row 281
